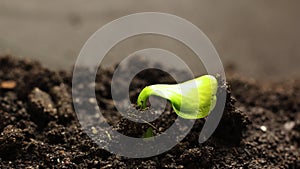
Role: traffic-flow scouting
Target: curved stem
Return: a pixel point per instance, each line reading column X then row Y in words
column 144, row 95
column 162, row 90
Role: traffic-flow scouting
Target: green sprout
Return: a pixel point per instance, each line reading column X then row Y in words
column 148, row 135
column 192, row 99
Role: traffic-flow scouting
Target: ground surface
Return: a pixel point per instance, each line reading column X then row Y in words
column 260, row 126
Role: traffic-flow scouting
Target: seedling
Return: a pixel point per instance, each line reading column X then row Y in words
column 148, row 135
column 192, row 99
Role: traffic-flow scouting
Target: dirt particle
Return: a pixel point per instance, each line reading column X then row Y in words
column 8, row 84
column 289, row 125
column 263, row 128
column 41, row 107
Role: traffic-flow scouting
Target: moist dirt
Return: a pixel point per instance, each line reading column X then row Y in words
column 260, row 127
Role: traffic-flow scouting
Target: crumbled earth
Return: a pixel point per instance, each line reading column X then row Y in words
column 260, row 127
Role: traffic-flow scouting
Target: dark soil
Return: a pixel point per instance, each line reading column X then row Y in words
column 260, row 126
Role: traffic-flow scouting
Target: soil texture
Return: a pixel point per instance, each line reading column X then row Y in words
column 260, row 127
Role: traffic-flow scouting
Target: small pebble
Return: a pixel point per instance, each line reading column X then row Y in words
column 289, row 125
column 263, row 128
column 94, row 130
column 77, row 100
column 92, row 100
column 8, row 84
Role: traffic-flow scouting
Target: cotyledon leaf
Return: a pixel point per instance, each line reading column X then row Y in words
column 192, row 99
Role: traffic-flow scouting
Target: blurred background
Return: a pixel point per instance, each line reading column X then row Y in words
column 260, row 39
